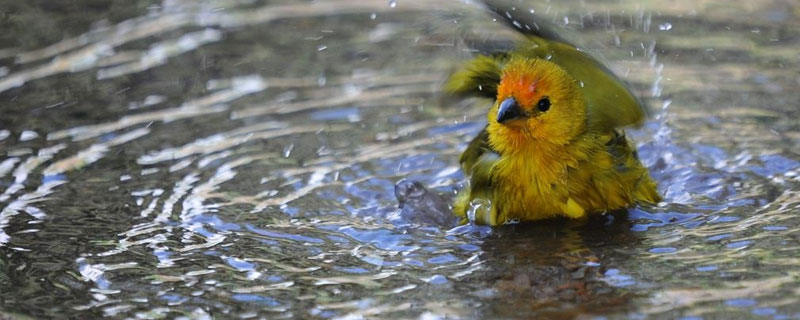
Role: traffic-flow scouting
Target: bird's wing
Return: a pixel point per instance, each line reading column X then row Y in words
column 478, row 77
column 478, row 159
column 610, row 102
column 476, row 148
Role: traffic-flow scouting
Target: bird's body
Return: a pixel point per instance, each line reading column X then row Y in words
column 553, row 144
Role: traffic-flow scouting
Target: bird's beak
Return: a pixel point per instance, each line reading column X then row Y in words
column 510, row 114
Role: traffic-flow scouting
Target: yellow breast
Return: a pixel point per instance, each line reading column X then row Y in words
column 532, row 185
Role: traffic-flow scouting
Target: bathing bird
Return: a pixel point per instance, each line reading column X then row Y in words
column 554, row 145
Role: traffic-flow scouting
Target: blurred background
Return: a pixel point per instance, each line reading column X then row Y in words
column 237, row 159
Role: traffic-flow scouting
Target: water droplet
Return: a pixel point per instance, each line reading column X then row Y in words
column 580, row 83
column 288, row 150
column 480, row 210
column 532, row 11
column 373, row 16
column 322, row 47
column 665, row 26
column 392, row 3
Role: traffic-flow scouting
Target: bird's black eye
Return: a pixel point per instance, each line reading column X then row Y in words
column 543, row 104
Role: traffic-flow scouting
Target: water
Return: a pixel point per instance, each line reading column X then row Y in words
column 237, row 159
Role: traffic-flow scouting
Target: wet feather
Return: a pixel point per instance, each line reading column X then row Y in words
column 568, row 158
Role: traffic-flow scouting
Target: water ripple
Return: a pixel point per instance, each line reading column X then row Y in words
column 181, row 162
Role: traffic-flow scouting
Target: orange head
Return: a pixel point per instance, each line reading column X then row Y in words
column 537, row 103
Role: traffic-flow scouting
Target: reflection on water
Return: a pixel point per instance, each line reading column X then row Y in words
column 225, row 158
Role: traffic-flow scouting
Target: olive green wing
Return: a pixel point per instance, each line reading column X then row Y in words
column 477, row 162
column 478, row 77
column 630, row 170
column 476, row 148
column 610, row 102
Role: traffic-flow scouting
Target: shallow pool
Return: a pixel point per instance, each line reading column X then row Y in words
column 237, row 159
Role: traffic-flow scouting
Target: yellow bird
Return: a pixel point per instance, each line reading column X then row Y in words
column 553, row 146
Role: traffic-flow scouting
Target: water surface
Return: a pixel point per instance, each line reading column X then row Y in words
column 237, row 159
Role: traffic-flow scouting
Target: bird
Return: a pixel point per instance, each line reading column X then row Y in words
column 554, row 145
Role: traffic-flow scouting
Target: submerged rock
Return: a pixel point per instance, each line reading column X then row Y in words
column 419, row 205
